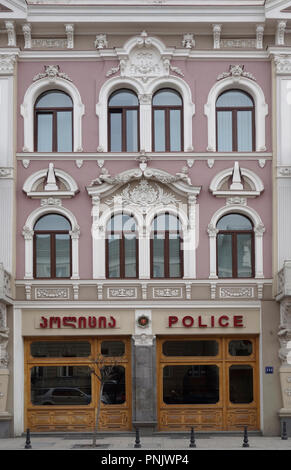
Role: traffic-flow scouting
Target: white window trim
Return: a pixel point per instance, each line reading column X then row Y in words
column 144, row 232
column 27, row 109
column 28, row 233
column 145, row 92
column 258, row 232
column 261, row 109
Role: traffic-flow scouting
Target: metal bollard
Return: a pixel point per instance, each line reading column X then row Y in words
column 284, row 435
column 27, row 442
column 246, row 440
column 192, row 438
column 137, row 444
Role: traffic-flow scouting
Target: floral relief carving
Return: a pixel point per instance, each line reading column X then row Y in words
column 236, row 292
column 236, row 71
column 144, row 194
column 51, row 72
column 52, row 293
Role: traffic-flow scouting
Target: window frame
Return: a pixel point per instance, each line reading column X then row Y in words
column 234, row 234
column 167, row 109
column 52, row 111
column 166, row 251
column 52, row 234
column 121, row 250
column 234, row 110
column 123, row 110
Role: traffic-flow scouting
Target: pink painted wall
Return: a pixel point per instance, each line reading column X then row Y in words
column 200, row 174
column 89, row 77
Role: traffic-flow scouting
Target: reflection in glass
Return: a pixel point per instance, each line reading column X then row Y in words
column 175, row 130
column 54, row 99
column 44, row 132
column 244, row 255
column 60, row 385
column 115, row 132
column 190, row 348
column 112, row 348
column 63, row 255
column 113, row 256
column 52, row 222
column 43, row 255
column 244, row 131
column 234, row 98
column 196, row 384
column 224, row 131
column 130, row 255
column 166, row 246
column 241, row 383
column 240, row 347
column 64, row 131
column 131, row 130
column 158, row 256
column 160, row 130
column 114, row 387
column 224, row 255
column 60, row 349
column 234, row 222
column 167, row 97
column 123, row 98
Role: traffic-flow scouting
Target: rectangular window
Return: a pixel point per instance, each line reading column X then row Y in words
column 224, row 131
column 130, row 256
column 114, row 256
column 64, row 131
column 131, row 131
column 160, row 130
column 43, row 255
column 44, row 132
column 175, row 130
column 115, row 132
column 224, row 247
column 190, row 348
column 174, row 255
column 49, row 385
column 158, row 256
column 60, row 349
column 244, row 255
column 63, row 257
column 241, row 383
column 244, row 131
column 191, row 384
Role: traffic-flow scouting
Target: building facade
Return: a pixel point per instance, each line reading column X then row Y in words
column 144, row 186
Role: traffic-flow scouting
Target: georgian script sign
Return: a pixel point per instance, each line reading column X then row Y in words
column 79, row 322
column 206, row 321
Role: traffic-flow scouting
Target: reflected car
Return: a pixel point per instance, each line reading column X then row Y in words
column 63, row 396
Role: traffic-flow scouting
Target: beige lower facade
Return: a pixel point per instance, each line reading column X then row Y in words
column 213, row 365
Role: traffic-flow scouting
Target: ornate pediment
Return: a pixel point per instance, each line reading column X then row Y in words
column 144, row 58
column 145, row 194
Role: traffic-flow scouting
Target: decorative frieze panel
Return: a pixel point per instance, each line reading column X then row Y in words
column 52, row 293
column 6, row 173
column 167, row 292
column 118, row 293
column 237, row 292
column 238, row 43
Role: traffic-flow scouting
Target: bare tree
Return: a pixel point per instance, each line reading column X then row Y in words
column 104, row 369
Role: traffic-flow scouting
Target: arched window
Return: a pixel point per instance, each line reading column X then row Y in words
column 123, row 115
column 121, row 247
column 53, row 121
column 166, row 247
column 235, row 247
column 235, row 121
column 52, row 247
column 167, row 121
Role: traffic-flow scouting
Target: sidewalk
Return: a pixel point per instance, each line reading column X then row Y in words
column 126, row 443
